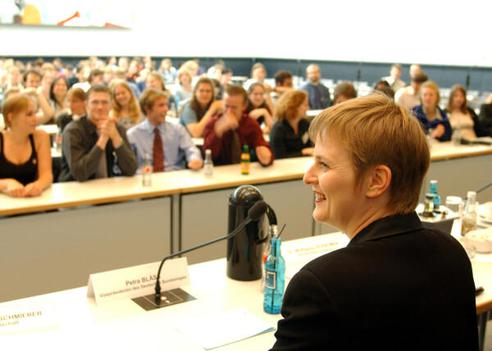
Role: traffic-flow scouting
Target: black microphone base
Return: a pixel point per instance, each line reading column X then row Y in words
column 168, row 298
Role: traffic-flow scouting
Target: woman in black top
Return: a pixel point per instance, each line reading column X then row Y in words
column 289, row 136
column 25, row 159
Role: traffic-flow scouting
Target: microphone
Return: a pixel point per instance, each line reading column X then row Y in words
column 254, row 214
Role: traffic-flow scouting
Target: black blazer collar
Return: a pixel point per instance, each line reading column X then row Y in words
column 388, row 226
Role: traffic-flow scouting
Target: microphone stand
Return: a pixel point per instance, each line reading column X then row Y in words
column 484, row 188
column 254, row 213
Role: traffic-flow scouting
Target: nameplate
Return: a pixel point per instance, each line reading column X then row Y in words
column 136, row 281
column 19, row 318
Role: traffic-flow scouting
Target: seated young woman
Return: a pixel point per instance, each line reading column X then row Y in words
column 433, row 119
column 25, row 159
column 125, row 109
column 260, row 106
column 462, row 118
column 198, row 111
column 289, row 136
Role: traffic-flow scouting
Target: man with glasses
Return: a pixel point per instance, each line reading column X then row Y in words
column 95, row 146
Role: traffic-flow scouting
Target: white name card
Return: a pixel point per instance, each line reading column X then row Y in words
column 137, row 281
column 19, row 318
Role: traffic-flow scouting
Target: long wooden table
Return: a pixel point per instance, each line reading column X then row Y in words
column 56, row 240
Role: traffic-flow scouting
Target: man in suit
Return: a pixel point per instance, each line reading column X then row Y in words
column 95, row 146
column 396, row 285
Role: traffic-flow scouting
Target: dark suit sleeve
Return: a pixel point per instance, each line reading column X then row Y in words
column 82, row 164
column 127, row 162
column 309, row 316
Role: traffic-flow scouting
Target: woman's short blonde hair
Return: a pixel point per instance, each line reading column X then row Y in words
column 289, row 103
column 376, row 131
column 14, row 105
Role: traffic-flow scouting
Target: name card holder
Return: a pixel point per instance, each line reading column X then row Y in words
column 136, row 281
column 20, row 318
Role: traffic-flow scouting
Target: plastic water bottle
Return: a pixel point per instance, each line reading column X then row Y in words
column 469, row 220
column 274, row 279
column 433, row 189
column 147, row 171
column 208, row 164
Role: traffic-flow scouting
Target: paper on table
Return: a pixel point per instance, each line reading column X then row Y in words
column 223, row 328
column 306, row 250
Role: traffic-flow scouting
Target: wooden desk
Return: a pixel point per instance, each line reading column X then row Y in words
column 131, row 224
column 181, row 209
column 123, row 325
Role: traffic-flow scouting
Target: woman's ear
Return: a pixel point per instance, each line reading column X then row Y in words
column 378, row 181
column 8, row 120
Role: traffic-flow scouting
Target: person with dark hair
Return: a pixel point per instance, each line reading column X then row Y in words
column 32, row 87
column 318, row 94
column 58, row 95
column 397, row 284
column 344, row 91
column 283, row 83
column 384, row 87
column 96, row 77
column 228, row 132
column 198, row 111
column 259, row 106
column 178, row 150
column 95, row 146
column 76, row 99
column 463, row 119
column 289, row 136
column 225, row 79
column 409, row 97
column 485, row 116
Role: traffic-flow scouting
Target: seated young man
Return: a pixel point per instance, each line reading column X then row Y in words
column 226, row 133
column 95, row 146
column 167, row 145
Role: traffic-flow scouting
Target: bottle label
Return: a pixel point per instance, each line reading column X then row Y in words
column 244, row 167
column 270, row 279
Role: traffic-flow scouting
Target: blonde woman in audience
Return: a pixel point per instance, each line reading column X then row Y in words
column 198, row 111
column 25, row 159
column 260, row 106
column 289, row 136
column 433, row 119
column 184, row 90
column 463, row 119
column 58, row 95
column 125, row 106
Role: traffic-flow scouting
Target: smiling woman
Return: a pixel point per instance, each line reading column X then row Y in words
column 25, row 159
column 371, row 157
